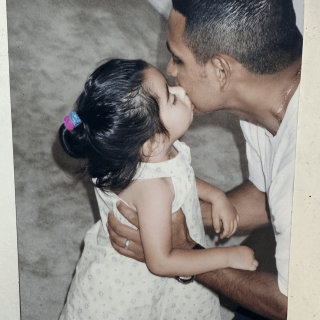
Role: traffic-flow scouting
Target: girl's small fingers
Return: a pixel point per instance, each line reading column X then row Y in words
column 225, row 231
column 231, row 229
column 227, row 225
column 235, row 226
column 216, row 223
column 252, row 268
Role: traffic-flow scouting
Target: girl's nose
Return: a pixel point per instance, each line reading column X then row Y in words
column 171, row 69
column 179, row 91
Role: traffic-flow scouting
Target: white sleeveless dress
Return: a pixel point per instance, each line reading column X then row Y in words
column 107, row 285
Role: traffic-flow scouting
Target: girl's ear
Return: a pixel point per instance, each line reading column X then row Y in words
column 152, row 146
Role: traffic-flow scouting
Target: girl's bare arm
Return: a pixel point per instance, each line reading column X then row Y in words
column 154, row 205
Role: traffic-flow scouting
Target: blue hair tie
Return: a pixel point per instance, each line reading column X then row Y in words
column 75, row 118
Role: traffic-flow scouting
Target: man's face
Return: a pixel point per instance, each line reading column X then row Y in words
column 194, row 78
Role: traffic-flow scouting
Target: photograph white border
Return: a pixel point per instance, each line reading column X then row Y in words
column 304, row 278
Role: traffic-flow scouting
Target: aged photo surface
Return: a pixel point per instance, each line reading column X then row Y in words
column 53, row 47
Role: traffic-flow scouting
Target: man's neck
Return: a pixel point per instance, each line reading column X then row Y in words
column 263, row 99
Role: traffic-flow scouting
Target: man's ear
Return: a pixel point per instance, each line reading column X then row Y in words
column 222, row 70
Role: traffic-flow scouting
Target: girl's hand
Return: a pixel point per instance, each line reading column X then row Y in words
column 242, row 257
column 224, row 216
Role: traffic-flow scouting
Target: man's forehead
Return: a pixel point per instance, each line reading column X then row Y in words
column 175, row 38
column 176, row 27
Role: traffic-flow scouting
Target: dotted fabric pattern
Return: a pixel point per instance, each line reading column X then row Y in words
column 107, row 285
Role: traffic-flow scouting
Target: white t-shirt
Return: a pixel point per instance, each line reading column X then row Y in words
column 271, row 169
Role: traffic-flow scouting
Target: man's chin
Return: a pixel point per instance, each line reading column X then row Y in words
column 197, row 112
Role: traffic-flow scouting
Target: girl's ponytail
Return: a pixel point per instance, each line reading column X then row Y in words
column 117, row 116
column 75, row 142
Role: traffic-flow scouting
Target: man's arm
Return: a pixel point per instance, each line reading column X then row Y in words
column 251, row 205
column 258, row 292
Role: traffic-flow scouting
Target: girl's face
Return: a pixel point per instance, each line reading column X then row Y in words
column 176, row 109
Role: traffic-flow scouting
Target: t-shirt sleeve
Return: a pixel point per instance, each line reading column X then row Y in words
column 280, row 204
column 282, row 259
column 256, row 175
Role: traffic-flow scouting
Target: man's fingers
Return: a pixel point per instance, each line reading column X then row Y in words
column 115, row 238
column 132, row 247
column 120, row 233
column 128, row 253
column 128, row 213
column 180, row 233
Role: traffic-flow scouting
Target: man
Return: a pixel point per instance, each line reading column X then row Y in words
column 243, row 57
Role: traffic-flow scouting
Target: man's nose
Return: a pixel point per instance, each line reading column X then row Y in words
column 171, row 69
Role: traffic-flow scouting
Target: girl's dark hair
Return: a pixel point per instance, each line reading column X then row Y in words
column 118, row 116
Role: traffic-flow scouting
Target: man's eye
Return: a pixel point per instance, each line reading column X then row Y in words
column 176, row 60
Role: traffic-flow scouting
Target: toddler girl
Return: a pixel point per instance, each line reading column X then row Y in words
column 127, row 125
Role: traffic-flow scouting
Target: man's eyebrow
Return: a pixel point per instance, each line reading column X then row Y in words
column 168, row 47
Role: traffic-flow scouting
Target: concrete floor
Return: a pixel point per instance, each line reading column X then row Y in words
column 53, row 46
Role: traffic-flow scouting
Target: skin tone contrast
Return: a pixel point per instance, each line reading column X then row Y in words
column 224, row 84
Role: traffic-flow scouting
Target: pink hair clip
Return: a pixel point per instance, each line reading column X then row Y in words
column 71, row 121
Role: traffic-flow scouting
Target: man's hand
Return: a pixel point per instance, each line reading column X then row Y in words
column 120, row 233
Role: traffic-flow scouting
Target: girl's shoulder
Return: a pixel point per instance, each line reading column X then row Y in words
column 148, row 190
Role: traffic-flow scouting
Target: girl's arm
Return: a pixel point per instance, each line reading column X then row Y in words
column 209, row 193
column 223, row 212
column 153, row 202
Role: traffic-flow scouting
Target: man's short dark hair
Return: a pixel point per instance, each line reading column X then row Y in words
column 260, row 34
